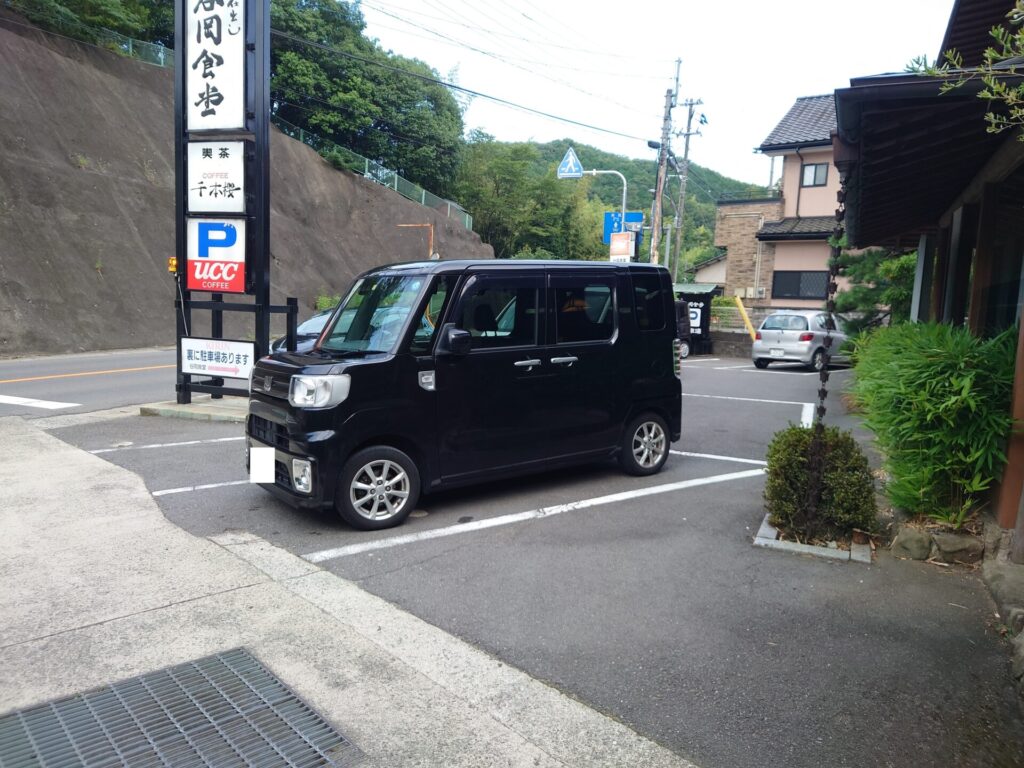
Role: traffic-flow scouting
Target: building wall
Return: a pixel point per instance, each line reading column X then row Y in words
column 712, row 273
column 736, row 226
column 813, row 201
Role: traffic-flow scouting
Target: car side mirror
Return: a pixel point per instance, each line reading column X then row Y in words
column 455, row 341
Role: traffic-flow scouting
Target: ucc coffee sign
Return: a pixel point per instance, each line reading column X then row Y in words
column 216, row 255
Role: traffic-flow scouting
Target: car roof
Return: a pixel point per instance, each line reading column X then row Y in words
column 463, row 265
column 799, row 312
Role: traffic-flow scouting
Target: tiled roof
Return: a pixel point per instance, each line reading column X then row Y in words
column 806, row 228
column 810, row 120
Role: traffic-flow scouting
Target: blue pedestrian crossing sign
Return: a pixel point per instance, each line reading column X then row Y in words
column 570, row 167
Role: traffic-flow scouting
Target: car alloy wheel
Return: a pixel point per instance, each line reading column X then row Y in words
column 379, row 490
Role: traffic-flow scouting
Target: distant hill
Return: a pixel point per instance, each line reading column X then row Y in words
column 704, row 185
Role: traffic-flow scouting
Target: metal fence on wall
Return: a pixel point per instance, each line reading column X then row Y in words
column 337, row 155
column 342, row 157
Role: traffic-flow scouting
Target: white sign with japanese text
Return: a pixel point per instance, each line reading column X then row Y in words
column 216, row 177
column 217, row 357
column 215, row 64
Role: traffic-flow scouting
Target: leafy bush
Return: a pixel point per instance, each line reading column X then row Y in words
column 326, row 301
column 848, row 490
column 938, row 400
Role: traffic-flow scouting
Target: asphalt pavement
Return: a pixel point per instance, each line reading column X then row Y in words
column 643, row 597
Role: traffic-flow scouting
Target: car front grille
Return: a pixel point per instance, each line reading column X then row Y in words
column 268, row 432
column 282, row 476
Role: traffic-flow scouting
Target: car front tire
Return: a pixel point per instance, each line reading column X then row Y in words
column 378, row 488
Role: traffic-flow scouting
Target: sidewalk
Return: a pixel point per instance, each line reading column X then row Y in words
column 100, row 587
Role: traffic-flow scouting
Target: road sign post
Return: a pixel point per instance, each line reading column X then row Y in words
column 572, row 168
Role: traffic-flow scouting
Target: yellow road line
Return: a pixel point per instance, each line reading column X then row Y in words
column 86, row 373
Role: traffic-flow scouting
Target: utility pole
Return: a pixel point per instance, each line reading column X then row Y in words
column 666, row 128
column 683, row 175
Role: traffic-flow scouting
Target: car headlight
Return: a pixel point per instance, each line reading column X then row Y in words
column 318, row 391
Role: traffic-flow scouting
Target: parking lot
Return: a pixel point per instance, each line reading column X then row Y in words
column 644, row 598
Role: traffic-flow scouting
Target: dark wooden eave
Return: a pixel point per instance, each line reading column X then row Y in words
column 906, row 152
column 970, row 23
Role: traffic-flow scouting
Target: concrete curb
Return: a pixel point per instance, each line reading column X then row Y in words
column 230, row 409
column 768, row 537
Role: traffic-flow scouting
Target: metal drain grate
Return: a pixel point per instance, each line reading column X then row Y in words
column 219, row 711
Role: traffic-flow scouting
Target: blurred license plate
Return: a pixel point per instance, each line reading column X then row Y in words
column 778, row 353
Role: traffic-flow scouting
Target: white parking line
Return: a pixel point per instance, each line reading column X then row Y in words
column 721, row 458
column 777, row 372
column 731, row 367
column 30, row 402
column 168, row 445
column 690, row 360
column 494, row 522
column 807, row 415
column 189, row 488
column 745, row 399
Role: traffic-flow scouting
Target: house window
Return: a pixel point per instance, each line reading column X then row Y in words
column 799, row 285
column 814, row 175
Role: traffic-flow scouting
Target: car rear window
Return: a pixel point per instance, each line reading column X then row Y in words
column 649, row 296
column 785, row 323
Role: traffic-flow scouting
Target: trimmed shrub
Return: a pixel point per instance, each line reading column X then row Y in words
column 848, row 490
column 938, row 401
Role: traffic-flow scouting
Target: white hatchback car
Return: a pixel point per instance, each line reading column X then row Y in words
column 797, row 336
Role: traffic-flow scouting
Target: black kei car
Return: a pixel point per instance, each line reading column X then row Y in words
column 436, row 374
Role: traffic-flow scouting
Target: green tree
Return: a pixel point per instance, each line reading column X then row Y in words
column 383, row 106
column 79, row 18
column 881, row 287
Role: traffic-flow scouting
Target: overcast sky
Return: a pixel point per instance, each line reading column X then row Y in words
column 608, row 64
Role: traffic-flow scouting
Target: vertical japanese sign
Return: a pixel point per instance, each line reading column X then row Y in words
column 215, row 74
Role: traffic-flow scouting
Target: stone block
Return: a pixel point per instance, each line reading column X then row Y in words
column 912, row 543
column 959, row 547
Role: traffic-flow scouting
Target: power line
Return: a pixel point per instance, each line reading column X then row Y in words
column 424, row 78
column 497, row 57
column 602, row 54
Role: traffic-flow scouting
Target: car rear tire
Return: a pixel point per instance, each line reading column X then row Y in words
column 760, row 363
column 645, row 445
column 818, row 360
column 684, row 349
column 378, row 488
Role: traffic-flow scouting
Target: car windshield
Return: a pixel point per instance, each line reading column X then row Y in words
column 372, row 316
column 785, row 323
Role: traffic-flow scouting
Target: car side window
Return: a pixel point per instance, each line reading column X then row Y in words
column 584, row 308
column 426, row 327
column 500, row 311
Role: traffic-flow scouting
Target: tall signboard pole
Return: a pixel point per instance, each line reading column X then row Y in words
column 260, row 116
column 222, row 187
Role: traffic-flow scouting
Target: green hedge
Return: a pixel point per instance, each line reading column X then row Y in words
column 938, row 401
column 848, row 490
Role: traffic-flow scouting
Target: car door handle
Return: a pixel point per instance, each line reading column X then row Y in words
column 567, row 361
column 527, row 364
